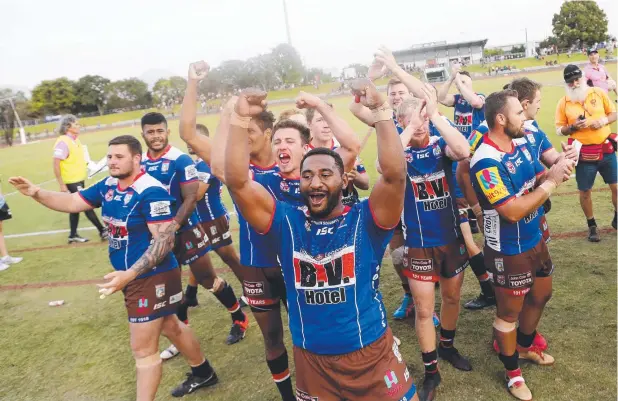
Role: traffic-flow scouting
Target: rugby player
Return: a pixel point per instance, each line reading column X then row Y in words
column 529, row 95
column 511, row 185
column 322, row 136
column 176, row 170
column 396, row 93
column 262, row 281
column 139, row 214
column 330, row 257
column 468, row 114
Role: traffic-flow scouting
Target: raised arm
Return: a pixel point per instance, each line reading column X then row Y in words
column 254, row 202
column 345, row 135
column 457, row 147
column 220, row 140
column 386, row 199
column 447, row 99
column 188, row 114
column 58, row 201
column 362, row 113
column 414, row 85
column 475, row 100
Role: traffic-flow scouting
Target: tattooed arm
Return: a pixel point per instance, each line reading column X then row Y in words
column 163, row 235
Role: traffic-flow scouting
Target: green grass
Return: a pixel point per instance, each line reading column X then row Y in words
column 80, row 351
column 532, row 62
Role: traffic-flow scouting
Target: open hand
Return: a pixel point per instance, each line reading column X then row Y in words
column 24, row 186
column 118, row 280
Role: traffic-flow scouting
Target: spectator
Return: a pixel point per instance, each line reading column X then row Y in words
column 596, row 73
column 5, row 214
column 71, row 171
column 584, row 114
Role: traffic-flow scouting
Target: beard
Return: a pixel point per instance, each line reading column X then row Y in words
column 332, row 201
column 577, row 94
column 121, row 176
column 165, row 143
column 514, row 131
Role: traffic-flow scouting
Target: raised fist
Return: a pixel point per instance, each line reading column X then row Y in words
column 251, row 102
column 198, row 70
column 366, row 93
column 307, row 100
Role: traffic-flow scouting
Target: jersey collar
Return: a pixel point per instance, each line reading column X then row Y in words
column 491, row 143
column 137, row 177
column 264, row 167
column 167, row 149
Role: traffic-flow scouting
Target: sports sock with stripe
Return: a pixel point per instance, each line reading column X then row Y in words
column 477, row 263
column 227, row 297
column 281, row 375
column 430, row 360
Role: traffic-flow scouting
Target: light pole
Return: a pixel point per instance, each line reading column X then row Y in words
column 287, row 22
column 22, row 133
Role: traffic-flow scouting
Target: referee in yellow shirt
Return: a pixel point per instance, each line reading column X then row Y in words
column 585, row 115
column 71, row 171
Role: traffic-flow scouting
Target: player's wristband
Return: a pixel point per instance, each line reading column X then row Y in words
column 239, row 121
column 548, row 186
column 382, row 113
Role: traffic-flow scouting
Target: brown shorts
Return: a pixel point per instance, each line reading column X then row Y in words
column 218, row 231
column 263, row 287
column 375, row 372
column 153, row 297
column 545, row 229
column 517, row 272
column 429, row 264
column 191, row 244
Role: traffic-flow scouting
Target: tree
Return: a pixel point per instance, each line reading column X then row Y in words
column 287, row 64
column 54, row 96
column 263, row 71
column 91, row 92
column 580, row 23
column 7, row 115
column 359, row 69
column 492, row 52
column 129, row 93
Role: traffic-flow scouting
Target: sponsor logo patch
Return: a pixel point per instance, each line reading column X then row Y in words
column 190, row 173
column 392, row 383
column 520, row 280
column 253, row 288
column 304, row 396
column 421, row 265
column 109, row 195
column 128, row 197
column 142, row 304
column 491, row 184
column 176, row 298
column 159, row 305
column 160, row 208
column 160, row 290
column 500, row 279
column 499, row 262
column 511, row 167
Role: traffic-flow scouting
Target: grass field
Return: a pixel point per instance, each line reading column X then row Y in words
column 80, row 351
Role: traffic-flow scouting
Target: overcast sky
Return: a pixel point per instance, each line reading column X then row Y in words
column 118, row 39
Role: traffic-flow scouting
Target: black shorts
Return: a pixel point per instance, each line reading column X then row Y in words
column 75, row 186
column 218, row 231
column 263, row 287
column 5, row 212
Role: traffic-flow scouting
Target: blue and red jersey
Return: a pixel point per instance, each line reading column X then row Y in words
column 499, row 177
column 127, row 212
column 466, row 117
column 173, row 169
column 331, row 270
column 211, row 206
column 430, row 216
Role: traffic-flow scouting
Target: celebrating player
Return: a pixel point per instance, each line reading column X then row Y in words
column 330, row 257
column 139, row 213
column 506, row 179
column 176, row 170
column 262, row 280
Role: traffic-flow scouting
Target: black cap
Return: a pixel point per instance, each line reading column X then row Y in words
column 571, row 73
column 592, row 50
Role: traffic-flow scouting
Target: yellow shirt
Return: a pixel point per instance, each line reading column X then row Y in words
column 596, row 106
column 73, row 168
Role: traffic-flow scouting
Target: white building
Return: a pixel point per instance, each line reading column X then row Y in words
column 440, row 54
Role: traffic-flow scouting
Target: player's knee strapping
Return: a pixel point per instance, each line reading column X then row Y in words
column 397, row 255
column 504, row 326
column 148, row 361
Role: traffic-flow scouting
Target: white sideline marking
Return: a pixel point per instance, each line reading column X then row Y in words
column 53, row 232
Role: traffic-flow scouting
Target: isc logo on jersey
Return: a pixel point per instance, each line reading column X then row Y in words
column 431, row 190
column 323, row 279
column 492, row 184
